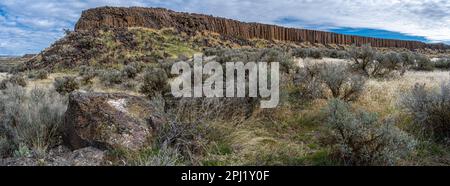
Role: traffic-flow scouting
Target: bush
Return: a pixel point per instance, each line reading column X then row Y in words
column 309, row 83
column 443, row 64
column 315, row 81
column 30, row 119
column 129, row 72
column 363, row 58
column 87, row 75
column 430, row 111
column 155, row 82
column 111, row 77
column 408, row 60
column 359, row 138
column 87, row 71
column 341, row 82
column 310, row 52
column 187, row 137
column 277, row 55
column 385, row 64
column 16, row 79
column 371, row 63
column 87, row 79
column 338, row 54
column 139, row 66
column 423, row 63
column 300, row 52
column 40, row 74
column 66, row 85
column 315, row 53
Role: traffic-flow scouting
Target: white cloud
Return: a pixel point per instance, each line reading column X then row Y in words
column 38, row 20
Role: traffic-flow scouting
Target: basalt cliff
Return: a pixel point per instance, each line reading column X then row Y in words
column 190, row 23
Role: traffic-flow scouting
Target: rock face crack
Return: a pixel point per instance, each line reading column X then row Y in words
column 158, row 18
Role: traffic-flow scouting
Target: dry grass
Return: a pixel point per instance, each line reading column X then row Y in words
column 381, row 96
column 3, row 76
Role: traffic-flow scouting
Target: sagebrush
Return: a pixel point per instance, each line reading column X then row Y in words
column 361, row 138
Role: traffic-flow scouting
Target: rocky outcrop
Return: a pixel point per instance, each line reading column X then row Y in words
column 107, row 121
column 159, row 18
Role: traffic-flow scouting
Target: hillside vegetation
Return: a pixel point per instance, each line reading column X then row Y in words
column 340, row 105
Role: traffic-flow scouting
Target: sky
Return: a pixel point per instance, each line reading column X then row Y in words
column 29, row 26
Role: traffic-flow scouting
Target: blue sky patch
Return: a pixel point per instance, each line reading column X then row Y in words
column 378, row 34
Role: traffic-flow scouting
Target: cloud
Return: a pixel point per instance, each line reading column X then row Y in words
column 31, row 25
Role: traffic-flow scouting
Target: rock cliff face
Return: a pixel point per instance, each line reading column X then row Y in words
column 159, row 18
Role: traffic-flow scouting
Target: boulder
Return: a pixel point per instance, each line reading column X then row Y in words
column 107, row 121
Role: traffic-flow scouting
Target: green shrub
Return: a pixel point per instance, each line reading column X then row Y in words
column 66, row 85
column 360, row 138
column 338, row 54
column 372, row 63
column 308, row 82
column 23, row 151
column 16, row 79
column 308, row 52
column 341, row 82
column 129, row 72
column 423, row 63
column 363, row 58
column 30, row 120
column 87, row 71
column 138, row 65
column 300, row 52
column 111, row 77
column 316, row 81
column 87, row 80
column 430, row 110
column 408, row 60
column 155, row 82
column 315, row 53
column 443, row 64
column 387, row 63
column 87, row 75
column 40, row 74
column 277, row 55
column 18, row 68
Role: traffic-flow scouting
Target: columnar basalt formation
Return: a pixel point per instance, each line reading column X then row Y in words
column 159, row 18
